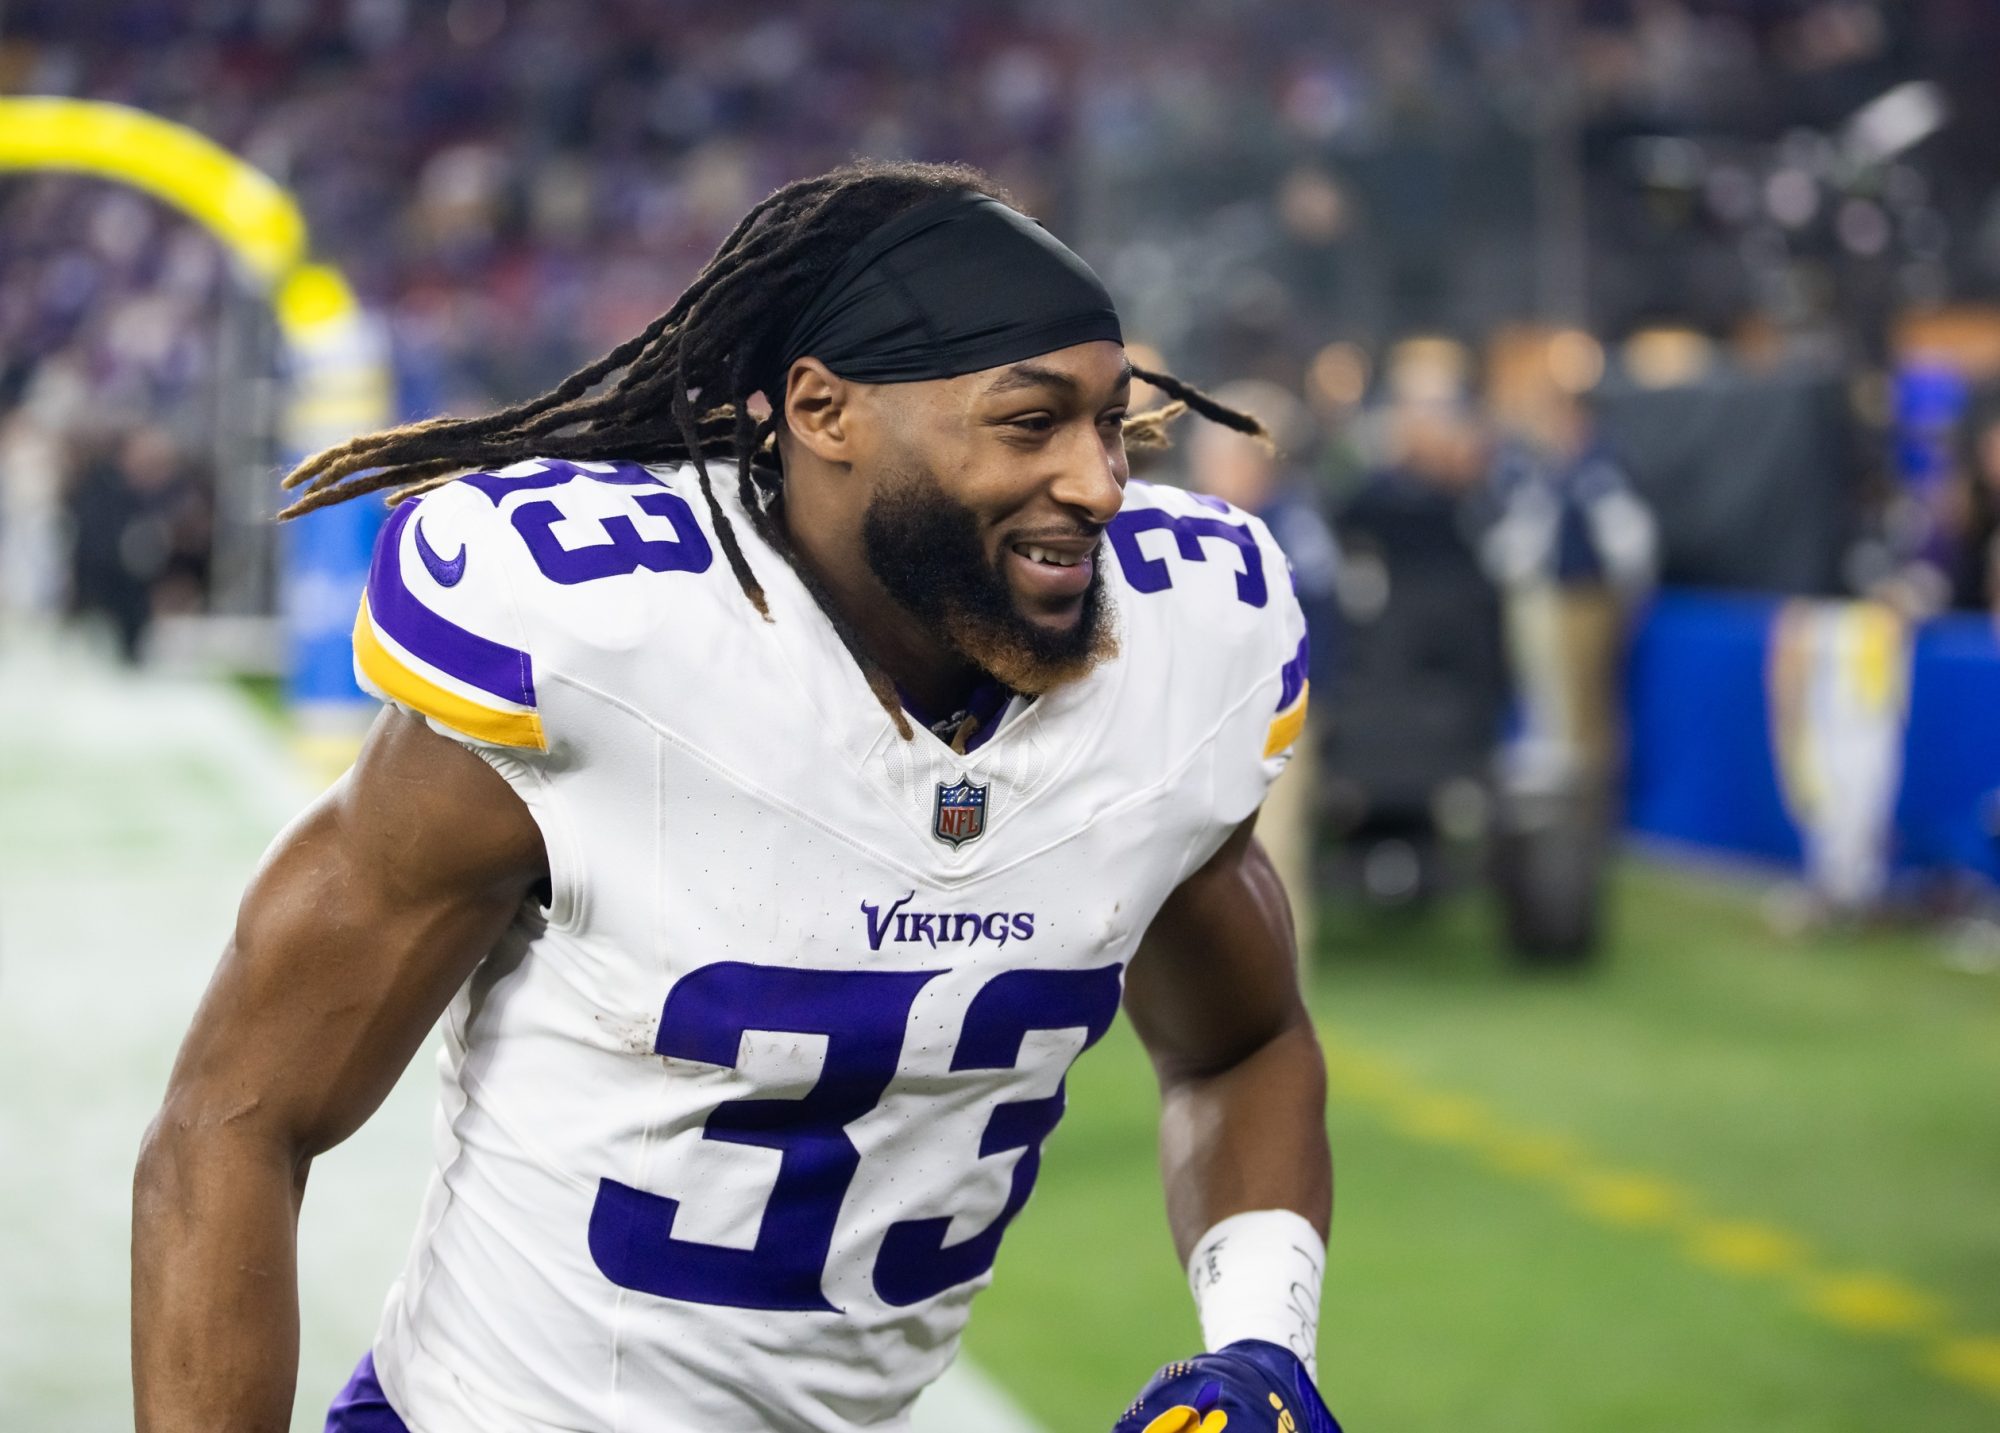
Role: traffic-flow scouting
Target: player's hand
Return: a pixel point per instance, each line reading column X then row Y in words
column 1249, row 1387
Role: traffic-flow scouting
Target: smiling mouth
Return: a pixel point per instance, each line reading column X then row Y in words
column 1051, row 574
column 1049, row 556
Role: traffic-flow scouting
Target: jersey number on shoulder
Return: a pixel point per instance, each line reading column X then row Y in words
column 862, row 1016
column 626, row 551
column 1151, row 574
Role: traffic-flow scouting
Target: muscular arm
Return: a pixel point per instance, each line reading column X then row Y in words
column 1214, row 996
column 365, row 917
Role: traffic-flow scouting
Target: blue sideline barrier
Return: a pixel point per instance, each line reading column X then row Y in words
column 1703, row 766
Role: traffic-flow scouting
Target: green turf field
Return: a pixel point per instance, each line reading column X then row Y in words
column 1726, row 1182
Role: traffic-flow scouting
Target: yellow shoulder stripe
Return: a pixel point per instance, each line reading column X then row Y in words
column 1286, row 725
column 476, row 721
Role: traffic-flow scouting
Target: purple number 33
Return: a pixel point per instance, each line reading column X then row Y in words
column 1150, row 574
column 686, row 551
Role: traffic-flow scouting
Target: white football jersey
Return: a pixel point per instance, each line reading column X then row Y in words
column 731, row 1131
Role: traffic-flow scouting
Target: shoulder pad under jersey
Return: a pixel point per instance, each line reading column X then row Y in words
column 1217, row 581
column 439, row 632
column 546, row 563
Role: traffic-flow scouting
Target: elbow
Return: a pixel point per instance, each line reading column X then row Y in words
column 160, row 1178
column 1293, row 1054
column 1289, row 1051
column 1301, row 1049
column 1301, row 1039
column 168, row 1151
column 197, row 1135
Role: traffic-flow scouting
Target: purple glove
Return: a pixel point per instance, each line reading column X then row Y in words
column 1249, row 1387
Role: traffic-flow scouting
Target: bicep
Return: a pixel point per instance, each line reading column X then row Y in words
column 364, row 918
column 1216, row 977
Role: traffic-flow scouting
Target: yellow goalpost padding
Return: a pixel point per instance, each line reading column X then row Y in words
column 247, row 211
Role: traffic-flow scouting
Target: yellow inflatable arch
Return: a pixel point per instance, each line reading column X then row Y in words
column 339, row 384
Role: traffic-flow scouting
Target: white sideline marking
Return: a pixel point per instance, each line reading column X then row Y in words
column 965, row 1400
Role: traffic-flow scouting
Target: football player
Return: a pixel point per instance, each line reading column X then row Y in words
column 772, row 808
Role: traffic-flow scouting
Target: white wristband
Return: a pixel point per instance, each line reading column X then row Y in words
column 1258, row 1275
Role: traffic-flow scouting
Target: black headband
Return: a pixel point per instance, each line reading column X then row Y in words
column 957, row 284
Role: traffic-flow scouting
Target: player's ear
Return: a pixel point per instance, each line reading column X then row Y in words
column 817, row 410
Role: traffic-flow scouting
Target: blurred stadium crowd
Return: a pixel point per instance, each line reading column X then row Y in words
column 1546, row 301
column 518, row 184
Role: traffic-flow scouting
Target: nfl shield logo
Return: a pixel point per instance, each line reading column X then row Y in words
column 961, row 813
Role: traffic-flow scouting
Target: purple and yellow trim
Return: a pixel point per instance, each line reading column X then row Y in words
column 396, row 679
column 1292, row 676
column 1293, row 690
column 1287, row 724
column 491, row 667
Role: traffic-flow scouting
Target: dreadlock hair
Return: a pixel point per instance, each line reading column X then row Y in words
column 638, row 402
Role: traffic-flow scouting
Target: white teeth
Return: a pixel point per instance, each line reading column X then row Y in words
column 1045, row 555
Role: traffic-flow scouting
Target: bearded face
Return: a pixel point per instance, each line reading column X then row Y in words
column 925, row 548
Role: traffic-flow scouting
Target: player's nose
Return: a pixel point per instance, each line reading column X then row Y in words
column 1091, row 482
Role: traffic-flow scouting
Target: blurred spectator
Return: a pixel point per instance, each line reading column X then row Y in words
column 1573, row 548
column 1973, row 516
column 1839, row 699
column 1424, row 684
column 140, row 524
column 31, row 519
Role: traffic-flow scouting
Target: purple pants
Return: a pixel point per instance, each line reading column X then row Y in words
column 362, row 1406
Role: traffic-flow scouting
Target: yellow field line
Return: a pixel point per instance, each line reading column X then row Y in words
column 1867, row 1303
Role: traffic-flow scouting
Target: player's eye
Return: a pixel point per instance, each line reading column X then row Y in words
column 1033, row 423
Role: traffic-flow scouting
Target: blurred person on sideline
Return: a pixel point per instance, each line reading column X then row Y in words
column 1270, row 482
column 1424, row 685
column 1573, row 548
column 31, row 520
column 1972, row 517
column 140, row 535
column 38, row 450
